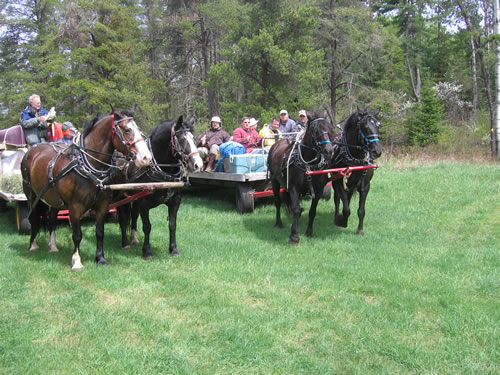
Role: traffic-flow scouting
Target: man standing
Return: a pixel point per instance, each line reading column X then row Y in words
column 209, row 142
column 302, row 123
column 34, row 121
column 286, row 123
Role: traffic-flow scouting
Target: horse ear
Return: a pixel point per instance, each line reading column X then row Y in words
column 133, row 109
column 191, row 122
column 324, row 114
column 377, row 111
column 179, row 123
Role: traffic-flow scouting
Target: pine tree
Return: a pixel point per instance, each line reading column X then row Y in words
column 425, row 128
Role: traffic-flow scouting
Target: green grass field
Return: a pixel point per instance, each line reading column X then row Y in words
column 418, row 294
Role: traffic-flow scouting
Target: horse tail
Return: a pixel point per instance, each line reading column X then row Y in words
column 287, row 202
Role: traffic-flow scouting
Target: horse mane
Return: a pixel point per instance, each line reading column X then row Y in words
column 352, row 120
column 89, row 124
column 164, row 126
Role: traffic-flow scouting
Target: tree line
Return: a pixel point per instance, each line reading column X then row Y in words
column 429, row 64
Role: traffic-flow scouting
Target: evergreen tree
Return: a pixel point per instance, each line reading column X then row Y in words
column 425, row 128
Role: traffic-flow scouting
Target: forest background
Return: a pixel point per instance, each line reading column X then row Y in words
column 429, row 64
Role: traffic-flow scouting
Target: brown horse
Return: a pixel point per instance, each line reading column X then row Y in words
column 72, row 177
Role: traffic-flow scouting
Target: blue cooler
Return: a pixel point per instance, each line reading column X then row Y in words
column 248, row 163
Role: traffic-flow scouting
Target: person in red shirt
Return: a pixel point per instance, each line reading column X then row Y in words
column 247, row 136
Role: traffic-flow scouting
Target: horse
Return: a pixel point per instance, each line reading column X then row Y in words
column 171, row 143
column 288, row 160
column 358, row 144
column 72, row 176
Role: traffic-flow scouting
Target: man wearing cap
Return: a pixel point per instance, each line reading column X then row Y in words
column 209, row 142
column 286, row 123
column 302, row 123
column 69, row 132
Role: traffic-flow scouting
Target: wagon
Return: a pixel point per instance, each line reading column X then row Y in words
column 246, row 174
column 12, row 150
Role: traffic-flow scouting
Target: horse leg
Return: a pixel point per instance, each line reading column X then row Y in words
column 123, row 219
column 173, row 207
column 341, row 219
column 277, row 202
column 134, row 212
column 312, row 213
column 363, row 193
column 146, row 228
column 52, row 229
column 76, row 262
column 296, row 211
column 35, row 222
column 100, row 216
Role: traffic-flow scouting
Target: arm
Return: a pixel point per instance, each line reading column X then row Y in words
column 239, row 137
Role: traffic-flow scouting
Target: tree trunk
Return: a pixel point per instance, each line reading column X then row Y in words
column 475, row 90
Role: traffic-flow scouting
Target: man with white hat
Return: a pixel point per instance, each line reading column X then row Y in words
column 286, row 123
column 209, row 142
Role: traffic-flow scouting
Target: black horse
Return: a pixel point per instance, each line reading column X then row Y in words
column 288, row 161
column 359, row 144
column 171, row 143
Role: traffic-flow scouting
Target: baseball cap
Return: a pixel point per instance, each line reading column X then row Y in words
column 283, row 112
column 302, row 113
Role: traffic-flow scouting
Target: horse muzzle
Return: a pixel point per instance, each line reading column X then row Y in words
column 143, row 156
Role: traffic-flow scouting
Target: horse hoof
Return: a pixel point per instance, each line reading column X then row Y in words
column 126, row 247
column 280, row 226
column 148, row 257
column 293, row 242
column 77, row 267
column 174, row 253
column 309, row 234
column 102, row 262
column 361, row 233
column 34, row 248
column 135, row 241
column 53, row 250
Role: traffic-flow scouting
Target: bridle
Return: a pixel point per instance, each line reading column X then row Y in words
column 117, row 131
column 176, row 146
column 364, row 139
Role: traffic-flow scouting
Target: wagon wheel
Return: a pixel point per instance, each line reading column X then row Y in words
column 3, row 205
column 244, row 198
column 327, row 192
column 22, row 223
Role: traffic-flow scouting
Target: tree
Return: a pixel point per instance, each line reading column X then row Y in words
column 425, row 128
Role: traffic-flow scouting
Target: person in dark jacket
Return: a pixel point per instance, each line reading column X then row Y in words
column 34, row 121
column 209, row 142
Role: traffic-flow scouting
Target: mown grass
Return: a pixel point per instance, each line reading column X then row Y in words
column 419, row 293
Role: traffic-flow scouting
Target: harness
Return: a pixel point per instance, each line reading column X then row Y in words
column 80, row 163
column 296, row 158
column 345, row 154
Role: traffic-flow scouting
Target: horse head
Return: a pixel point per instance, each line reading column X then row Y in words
column 320, row 134
column 183, row 143
column 128, row 139
column 369, row 136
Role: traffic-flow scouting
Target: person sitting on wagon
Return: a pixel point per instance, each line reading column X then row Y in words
column 286, row 124
column 302, row 123
column 271, row 133
column 69, row 132
column 34, row 121
column 209, row 142
column 246, row 135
